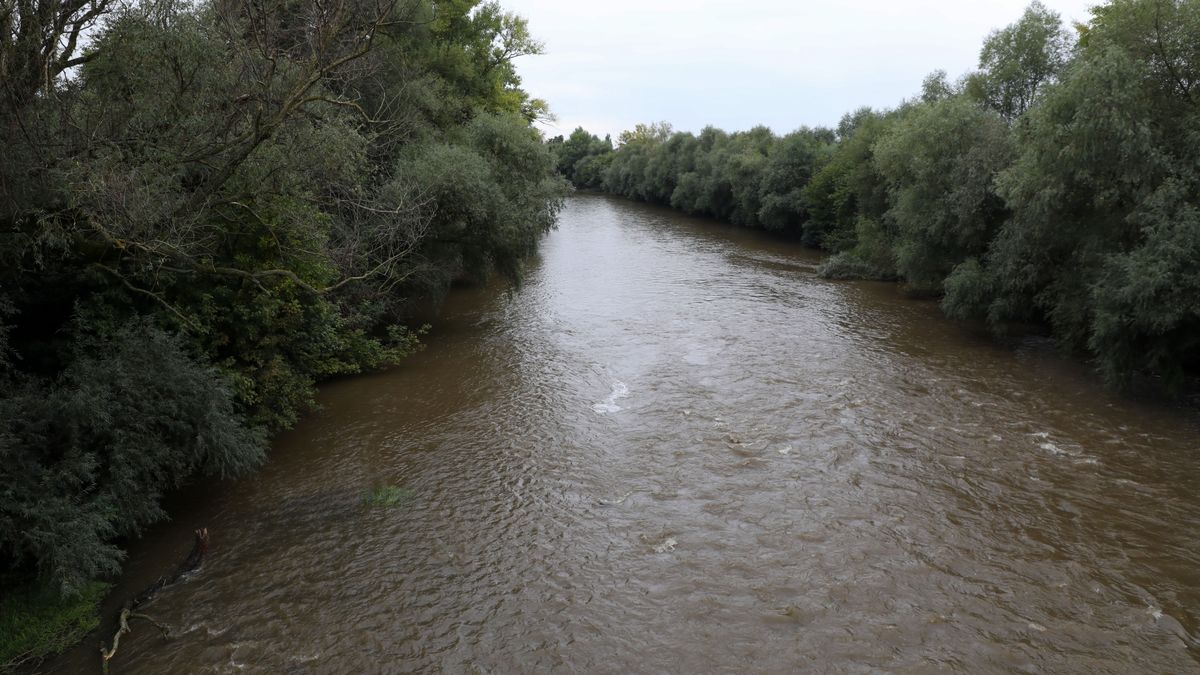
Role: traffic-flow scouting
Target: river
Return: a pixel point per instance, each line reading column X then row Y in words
column 675, row 449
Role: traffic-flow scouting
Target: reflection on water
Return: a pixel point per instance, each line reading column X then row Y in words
column 675, row 449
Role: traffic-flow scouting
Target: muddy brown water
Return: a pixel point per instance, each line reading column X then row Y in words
column 675, row 449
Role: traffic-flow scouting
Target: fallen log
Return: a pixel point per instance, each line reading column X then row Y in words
column 189, row 564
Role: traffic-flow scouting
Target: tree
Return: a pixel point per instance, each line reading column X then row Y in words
column 940, row 162
column 848, row 200
column 1147, row 299
column 1102, row 194
column 1086, row 155
column 87, row 457
column 657, row 132
column 40, row 40
column 212, row 208
column 570, row 153
column 1017, row 62
column 790, row 167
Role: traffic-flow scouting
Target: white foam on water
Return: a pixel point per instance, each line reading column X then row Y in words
column 785, row 450
column 1075, row 455
column 208, row 630
column 609, row 405
column 614, row 502
column 666, row 547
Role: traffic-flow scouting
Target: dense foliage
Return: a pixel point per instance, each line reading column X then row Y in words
column 1059, row 184
column 212, row 206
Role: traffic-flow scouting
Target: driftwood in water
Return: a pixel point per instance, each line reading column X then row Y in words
column 189, row 564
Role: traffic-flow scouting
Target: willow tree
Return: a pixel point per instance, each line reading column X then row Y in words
column 791, row 163
column 1019, row 61
column 1103, row 192
column 940, row 162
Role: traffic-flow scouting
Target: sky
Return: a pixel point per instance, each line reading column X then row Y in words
column 736, row 64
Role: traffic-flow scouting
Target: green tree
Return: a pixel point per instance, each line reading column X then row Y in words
column 87, row 457
column 571, row 153
column 1103, row 194
column 224, row 204
column 790, row 167
column 940, row 162
column 1017, row 62
column 848, row 201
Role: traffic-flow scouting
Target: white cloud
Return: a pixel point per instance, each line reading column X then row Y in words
column 610, row 65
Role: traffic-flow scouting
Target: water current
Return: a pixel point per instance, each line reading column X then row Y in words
column 676, row 449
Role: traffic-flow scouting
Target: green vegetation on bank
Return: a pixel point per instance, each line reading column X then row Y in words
column 1058, row 184
column 207, row 208
column 38, row 620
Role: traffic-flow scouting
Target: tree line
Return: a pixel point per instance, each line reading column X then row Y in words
column 208, row 207
column 1059, row 184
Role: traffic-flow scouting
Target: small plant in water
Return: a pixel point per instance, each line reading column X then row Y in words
column 388, row 495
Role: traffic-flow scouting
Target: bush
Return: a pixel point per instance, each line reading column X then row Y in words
column 849, row 265
column 86, row 457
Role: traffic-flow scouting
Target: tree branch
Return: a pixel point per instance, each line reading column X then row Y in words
column 189, row 564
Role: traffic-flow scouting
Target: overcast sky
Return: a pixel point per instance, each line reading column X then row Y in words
column 734, row 64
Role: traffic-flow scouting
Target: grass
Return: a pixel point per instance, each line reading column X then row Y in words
column 36, row 621
column 388, row 495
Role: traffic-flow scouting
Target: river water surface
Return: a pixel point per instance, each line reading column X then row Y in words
column 675, row 449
